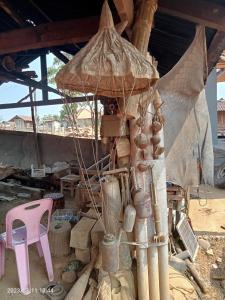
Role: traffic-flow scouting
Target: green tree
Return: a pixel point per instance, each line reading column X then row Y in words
column 68, row 111
column 51, row 117
column 56, row 66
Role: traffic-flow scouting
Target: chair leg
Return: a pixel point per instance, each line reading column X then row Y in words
column 47, row 256
column 39, row 248
column 22, row 261
column 2, row 259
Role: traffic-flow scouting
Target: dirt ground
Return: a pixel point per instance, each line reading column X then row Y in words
column 207, row 210
column 211, row 208
column 204, row 264
column 207, row 214
column 9, row 284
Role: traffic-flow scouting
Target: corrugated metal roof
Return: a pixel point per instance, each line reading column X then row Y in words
column 221, row 105
column 24, row 118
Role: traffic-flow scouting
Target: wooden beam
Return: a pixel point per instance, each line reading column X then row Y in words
column 48, row 35
column 220, row 65
column 125, row 10
column 20, row 78
column 60, row 56
column 216, row 49
column 42, row 103
column 44, row 76
column 197, row 11
column 221, row 76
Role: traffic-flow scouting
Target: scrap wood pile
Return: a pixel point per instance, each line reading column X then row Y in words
column 125, row 243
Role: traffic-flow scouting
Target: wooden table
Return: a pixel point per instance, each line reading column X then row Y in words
column 69, row 182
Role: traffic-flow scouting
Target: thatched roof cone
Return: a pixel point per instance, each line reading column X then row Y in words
column 108, row 65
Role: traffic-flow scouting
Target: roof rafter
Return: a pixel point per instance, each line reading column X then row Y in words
column 20, row 78
column 7, row 7
column 216, row 48
column 197, row 11
column 81, row 30
column 48, row 35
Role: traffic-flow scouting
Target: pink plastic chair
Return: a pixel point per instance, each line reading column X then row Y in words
column 18, row 239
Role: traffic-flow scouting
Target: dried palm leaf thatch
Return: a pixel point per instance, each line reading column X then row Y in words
column 108, row 65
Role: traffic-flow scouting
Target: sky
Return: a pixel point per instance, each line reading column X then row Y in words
column 12, row 92
column 220, row 90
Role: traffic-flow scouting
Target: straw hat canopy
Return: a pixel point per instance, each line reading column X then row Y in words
column 108, row 65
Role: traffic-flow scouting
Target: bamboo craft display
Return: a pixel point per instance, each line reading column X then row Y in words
column 144, row 277
column 130, row 72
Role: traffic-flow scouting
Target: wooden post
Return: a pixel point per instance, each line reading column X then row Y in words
column 44, row 76
column 36, row 144
column 96, row 129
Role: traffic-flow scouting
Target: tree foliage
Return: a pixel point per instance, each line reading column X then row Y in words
column 68, row 111
column 54, row 69
column 51, row 117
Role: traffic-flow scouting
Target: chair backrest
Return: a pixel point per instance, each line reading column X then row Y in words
column 30, row 214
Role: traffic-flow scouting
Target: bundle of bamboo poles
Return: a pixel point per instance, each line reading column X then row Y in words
column 152, row 262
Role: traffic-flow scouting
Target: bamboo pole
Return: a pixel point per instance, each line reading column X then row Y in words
column 141, row 235
column 143, row 25
column 153, row 273
column 140, row 39
column 163, row 259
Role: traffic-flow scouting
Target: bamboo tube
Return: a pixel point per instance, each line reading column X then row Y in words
column 112, row 206
column 153, row 267
column 142, row 259
column 153, row 273
column 162, row 202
